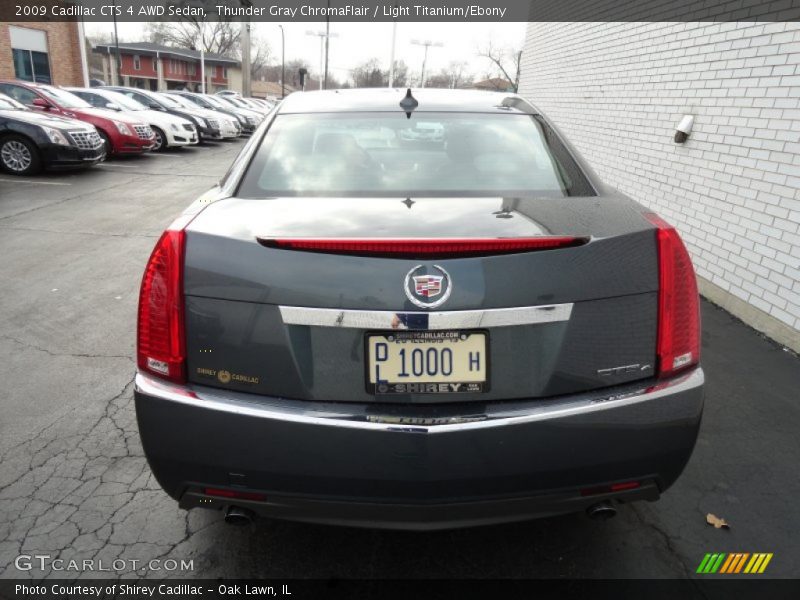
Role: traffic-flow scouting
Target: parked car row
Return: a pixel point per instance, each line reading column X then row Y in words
column 48, row 127
column 29, row 140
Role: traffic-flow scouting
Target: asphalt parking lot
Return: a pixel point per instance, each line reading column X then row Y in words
column 74, row 482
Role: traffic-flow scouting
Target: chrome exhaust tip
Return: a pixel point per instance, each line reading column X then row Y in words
column 236, row 515
column 601, row 511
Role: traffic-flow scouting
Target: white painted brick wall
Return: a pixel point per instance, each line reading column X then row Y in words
column 618, row 90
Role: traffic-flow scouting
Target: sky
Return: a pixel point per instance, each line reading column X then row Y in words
column 355, row 43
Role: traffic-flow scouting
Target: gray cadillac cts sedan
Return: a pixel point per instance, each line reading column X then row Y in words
column 416, row 310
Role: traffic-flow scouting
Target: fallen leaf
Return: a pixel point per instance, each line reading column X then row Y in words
column 716, row 521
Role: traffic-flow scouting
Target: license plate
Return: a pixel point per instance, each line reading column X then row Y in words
column 427, row 362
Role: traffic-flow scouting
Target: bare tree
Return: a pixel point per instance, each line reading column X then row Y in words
column 453, row 76
column 400, row 74
column 293, row 72
column 217, row 37
column 260, row 57
column 369, row 74
column 505, row 59
column 334, row 83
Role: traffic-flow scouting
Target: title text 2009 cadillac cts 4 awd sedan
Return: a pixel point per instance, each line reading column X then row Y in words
column 417, row 310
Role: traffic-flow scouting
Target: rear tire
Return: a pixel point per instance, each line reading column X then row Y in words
column 160, row 142
column 19, row 155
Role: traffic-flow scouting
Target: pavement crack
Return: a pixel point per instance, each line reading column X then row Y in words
column 63, row 354
column 671, row 549
column 62, row 201
column 86, row 233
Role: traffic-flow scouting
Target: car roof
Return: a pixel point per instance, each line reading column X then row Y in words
column 388, row 99
column 30, row 84
column 117, row 88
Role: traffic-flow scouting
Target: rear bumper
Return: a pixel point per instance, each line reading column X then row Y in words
column 418, row 467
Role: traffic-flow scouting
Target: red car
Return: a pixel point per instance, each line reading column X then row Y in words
column 122, row 134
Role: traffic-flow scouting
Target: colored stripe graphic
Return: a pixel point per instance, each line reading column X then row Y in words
column 741, row 562
column 727, row 564
column 703, row 563
column 730, row 564
column 754, row 563
column 734, row 563
column 716, row 563
column 765, row 563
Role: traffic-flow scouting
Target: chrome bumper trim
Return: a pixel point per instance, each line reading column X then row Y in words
column 433, row 320
column 363, row 416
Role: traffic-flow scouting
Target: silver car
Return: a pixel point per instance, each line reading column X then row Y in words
column 361, row 325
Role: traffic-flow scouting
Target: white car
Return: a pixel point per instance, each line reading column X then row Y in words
column 170, row 131
column 228, row 126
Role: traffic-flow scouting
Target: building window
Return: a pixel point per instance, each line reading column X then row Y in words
column 224, row 72
column 29, row 54
column 137, row 63
column 155, row 65
column 192, row 69
column 173, row 66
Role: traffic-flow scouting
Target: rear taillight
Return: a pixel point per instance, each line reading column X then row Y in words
column 160, row 340
column 423, row 247
column 678, row 342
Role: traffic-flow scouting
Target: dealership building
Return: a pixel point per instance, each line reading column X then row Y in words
column 620, row 90
column 156, row 67
column 43, row 51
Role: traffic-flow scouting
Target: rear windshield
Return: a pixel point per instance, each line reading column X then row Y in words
column 388, row 154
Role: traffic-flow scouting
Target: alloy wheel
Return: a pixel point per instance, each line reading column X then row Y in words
column 159, row 140
column 16, row 156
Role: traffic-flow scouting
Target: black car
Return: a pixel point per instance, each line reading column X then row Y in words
column 206, row 128
column 30, row 141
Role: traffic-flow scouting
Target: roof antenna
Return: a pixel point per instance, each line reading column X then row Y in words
column 409, row 103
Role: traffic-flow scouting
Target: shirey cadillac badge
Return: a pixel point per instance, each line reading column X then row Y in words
column 428, row 287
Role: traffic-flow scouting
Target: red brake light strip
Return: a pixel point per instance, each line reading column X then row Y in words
column 423, row 247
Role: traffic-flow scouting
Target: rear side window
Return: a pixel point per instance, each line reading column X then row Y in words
column 433, row 154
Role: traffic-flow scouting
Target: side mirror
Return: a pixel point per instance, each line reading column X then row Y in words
column 154, row 106
column 113, row 106
column 41, row 103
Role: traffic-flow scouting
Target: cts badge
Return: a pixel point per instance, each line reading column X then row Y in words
column 423, row 284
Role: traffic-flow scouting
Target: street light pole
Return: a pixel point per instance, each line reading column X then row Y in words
column 244, row 37
column 202, row 57
column 283, row 64
column 116, row 44
column 246, row 74
column 427, row 44
column 322, row 35
column 327, row 43
column 391, row 54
